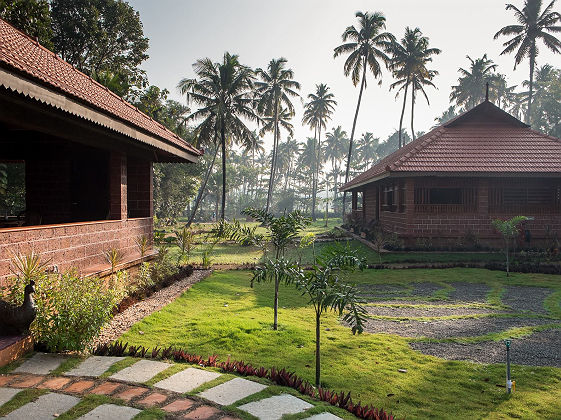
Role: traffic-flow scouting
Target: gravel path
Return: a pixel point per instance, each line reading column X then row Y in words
column 450, row 328
column 469, row 292
column 124, row 320
column 517, row 298
column 406, row 312
column 539, row 349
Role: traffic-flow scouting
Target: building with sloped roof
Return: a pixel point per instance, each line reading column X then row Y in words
column 453, row 181
column 87, row 156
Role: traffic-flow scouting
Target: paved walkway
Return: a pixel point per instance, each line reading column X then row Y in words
column 130, row 396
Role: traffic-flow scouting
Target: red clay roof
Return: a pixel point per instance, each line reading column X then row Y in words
column 482, row 140
column 20, row 52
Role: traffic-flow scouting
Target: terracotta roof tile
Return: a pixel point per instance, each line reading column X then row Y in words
column 482, row 140
column 20, row 52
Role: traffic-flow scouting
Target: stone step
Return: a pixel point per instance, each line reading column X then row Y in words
column 94, row 366
column 187, row 380
column 6, row 394
column 110, row 412
column 273, row 408
column 41, row 364
column 47, row 406
column 232, row 391
column 324, row 416
column 141, row 371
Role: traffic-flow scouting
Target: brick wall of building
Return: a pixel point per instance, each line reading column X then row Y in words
column 73, row 245
column 139, row 188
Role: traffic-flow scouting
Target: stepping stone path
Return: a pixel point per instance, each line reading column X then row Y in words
column 128, row 386
column 110, row 412
column 41, row 364
column 187, row 380
column 232, row 391
column 6, row 394
column 141, row 371
column 94, row 366
column 275, row 407
column 47, row 406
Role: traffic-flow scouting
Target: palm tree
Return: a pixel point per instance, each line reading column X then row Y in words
column 409, row 60
column 446, row 116
column 224, row 92
column 335, row 146
column 316, row 114
column 500, row 92
column 418, row 83
column 256, row 145
column 366, row 45
column 470, row 89
column 533, row 25
column 367, row 149
column 275, row 89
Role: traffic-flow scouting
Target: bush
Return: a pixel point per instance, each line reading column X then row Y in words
column 70, row 310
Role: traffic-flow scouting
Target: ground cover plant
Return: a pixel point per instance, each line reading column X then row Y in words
column 222, row 315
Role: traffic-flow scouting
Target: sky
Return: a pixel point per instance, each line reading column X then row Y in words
column 305, row 32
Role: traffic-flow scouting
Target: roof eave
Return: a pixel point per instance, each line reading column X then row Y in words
column 30, row 88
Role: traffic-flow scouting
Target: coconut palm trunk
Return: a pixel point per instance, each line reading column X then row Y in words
column 274, row 157
column 402, row 113
column 223, row 141
column 412, row 112
column 362, row 83
column 531, row 93
column 202, row 189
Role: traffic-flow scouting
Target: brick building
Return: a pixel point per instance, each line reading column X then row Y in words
column 87, row 160
column 450, row 183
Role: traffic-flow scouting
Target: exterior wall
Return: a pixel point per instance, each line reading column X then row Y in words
column 139, row 188
column 73, row 245
column 413, row 221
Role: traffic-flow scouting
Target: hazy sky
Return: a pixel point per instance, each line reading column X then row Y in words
column 306, row 31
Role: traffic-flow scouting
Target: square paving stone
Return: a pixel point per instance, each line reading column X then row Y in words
column 232, row 391
column 324, row 416
column 94, row 366
column 6, row 394
column 48, row 406
column 187, row 380
column 41, row 363
column 110, row 412
column 275, row 407
column 130, row 393
column 54, row 383
column 141, row 371
column 178, row 405
column 202, row 413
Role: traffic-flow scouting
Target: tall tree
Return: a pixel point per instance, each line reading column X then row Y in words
column 534, row 24
column 470, row 89
column 409, row 66
column 224, row 92
column 275, row 88
column 317, row 111
column 366, row 46
column 335, row 147
column 100, row 35
column 30, row 16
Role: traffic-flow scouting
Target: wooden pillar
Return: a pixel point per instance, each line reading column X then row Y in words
column 354, row 200
column 118, row 186
column 409, row 202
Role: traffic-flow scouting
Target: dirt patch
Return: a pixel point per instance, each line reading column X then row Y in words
column 432, row 311
column 539, row 349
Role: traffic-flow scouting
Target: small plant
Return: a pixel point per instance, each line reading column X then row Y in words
column 142, row 243
column 28, row 266
column 509, row 230
column 307, row 241
column 381, row 238
column 206, row 258
column 184, row 239
column 113, row 256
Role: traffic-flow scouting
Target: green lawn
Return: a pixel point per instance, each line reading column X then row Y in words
column 229, row 253
column 223, row 315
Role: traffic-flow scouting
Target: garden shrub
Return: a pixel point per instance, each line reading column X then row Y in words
column 70, row 310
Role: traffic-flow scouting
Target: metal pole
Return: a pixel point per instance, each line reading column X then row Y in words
column 508, row 381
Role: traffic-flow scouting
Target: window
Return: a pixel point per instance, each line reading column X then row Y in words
column 12, row 188
column 531, row 198
column 445, row 196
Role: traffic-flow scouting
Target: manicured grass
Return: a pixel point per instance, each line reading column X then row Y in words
column 222, row 315
column 229, row 253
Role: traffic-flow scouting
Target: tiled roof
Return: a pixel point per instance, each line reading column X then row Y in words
column 482, row 140
column 20, row 52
